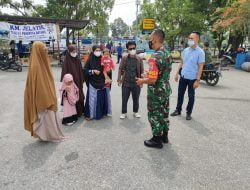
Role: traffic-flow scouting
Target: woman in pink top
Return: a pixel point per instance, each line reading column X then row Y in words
column 70, row 95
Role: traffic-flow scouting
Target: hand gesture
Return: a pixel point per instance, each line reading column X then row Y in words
column 119, row 83
column 196, row 84
column 176, row 77
column 139, row 81
column 145, row 74
column 68, row 88
column 96, row 72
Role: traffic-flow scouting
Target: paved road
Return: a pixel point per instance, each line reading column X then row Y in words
column 209, row 152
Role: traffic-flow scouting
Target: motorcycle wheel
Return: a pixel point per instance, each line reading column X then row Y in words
column 225, row 62
column 212, row 78
column 4, row 68
column 19, row 69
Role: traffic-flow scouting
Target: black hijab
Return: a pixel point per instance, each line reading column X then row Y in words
column 94, row 63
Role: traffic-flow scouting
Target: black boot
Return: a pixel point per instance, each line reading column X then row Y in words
column 188, row 117
column 175, row 113
column 154, row 142
column 165, row 137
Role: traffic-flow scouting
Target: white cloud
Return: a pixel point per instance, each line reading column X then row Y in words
column 126, row 9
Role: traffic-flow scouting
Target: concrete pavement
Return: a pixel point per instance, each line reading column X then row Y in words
column 209, row 152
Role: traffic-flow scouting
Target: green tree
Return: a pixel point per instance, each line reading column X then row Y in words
column 25, row 7
column 97, row 11
column 119, row 27
column 176, row 17
column 233, row 18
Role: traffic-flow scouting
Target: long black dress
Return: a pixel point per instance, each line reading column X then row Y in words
column 96, row 105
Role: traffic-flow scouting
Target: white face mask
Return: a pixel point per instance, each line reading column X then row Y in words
column 97, row 53
column 132, row 52
column 191, row 43
column 73, row 54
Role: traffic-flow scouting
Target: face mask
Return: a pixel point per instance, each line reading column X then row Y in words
column 132, row 52
column 150, row 45
column 73, row 54
column 190, row 43
column 97, row 53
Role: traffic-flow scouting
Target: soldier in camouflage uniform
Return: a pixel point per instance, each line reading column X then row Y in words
column 159, row 90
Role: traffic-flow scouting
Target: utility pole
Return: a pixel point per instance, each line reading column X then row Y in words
column 138, row 2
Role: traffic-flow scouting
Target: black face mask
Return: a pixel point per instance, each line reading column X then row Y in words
column 150, row 45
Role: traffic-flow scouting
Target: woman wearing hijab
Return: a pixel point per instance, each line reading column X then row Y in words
column 40, row 102
column 72, row 65
column 96, row 105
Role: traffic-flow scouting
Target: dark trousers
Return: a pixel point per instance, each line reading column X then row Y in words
column 13, row 53
column 135, row 96
column 183, row 84
column 118, row 58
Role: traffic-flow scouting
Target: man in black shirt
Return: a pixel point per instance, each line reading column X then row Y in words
column 131, row 67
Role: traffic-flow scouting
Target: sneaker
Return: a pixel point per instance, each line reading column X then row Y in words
column 109, row 115
column 137, row 115
column 69, row 124
column 123, row 116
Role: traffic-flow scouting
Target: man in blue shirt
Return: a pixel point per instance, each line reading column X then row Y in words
column 190, row 70
column 119, row 53
column 20, row 49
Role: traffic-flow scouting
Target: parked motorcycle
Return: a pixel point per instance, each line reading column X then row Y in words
column 211, row 73
column 227, row 59
column 7, row 63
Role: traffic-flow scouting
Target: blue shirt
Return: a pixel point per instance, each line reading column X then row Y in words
column 119, row 50
column 191, row 59
column 20, row 48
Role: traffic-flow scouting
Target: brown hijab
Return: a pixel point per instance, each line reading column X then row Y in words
column 40, row 91
column 73, row 66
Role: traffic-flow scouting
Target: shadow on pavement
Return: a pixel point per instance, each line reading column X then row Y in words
column 75, row 126
column 164, row 162
column 104, row 123
column 36, row 154
column 133, row 125
column 215, row 88
column 197, row 126
column 225, row 99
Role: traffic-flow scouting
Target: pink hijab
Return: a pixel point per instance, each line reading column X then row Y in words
column 73, row 93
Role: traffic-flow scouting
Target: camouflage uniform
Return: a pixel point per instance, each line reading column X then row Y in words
column 158, row 93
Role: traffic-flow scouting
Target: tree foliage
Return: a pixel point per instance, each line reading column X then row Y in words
column 237, row 15
column 235, row 18
column 180, row 17
column 97, row 11
column 119, row 27
column 94, row 10
column 176, row 17
column 25, row 8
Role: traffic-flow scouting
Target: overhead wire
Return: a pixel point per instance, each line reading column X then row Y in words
column 124, row 3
